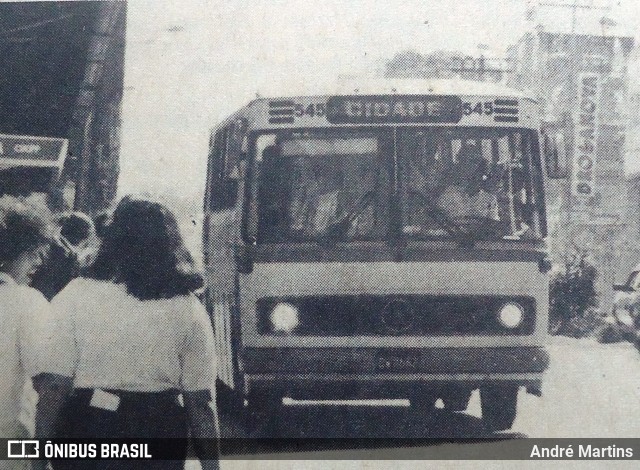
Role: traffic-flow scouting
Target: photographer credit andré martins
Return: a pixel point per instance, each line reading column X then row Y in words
column 583, row 451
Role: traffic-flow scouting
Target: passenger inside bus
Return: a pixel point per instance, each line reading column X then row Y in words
column 451, row 183
column 324, row 192
column 479, row 186
column 310, row 186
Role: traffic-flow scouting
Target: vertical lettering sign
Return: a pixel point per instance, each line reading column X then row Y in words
column 394, row 109
column 586, row 139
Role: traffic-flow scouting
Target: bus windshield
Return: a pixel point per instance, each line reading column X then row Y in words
column 324, row 185
column 432, row 182
column 469, row 182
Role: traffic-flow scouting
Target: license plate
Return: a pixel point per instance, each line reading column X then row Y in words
column 397, row 361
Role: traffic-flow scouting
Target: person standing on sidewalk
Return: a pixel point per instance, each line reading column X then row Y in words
column 128, row 352
column 25, row 235
column 68, row 256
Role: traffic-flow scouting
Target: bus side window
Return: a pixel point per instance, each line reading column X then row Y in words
column 236, row 132
column 210, row 171
column 216, row 143
column 223, row 191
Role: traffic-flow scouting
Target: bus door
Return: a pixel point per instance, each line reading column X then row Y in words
column 223, row 202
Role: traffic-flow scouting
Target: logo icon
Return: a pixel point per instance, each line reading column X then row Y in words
column 23, row 449
column 397, row 316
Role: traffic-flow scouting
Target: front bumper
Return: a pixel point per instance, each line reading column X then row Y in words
column 382, row 372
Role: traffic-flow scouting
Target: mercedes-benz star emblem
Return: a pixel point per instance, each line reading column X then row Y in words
column 397, row 316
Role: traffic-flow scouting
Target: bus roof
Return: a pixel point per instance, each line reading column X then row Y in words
column 498, row 97
column 400, row 86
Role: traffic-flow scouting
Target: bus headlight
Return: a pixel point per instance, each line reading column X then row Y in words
column 284, row 317
column 511, row 315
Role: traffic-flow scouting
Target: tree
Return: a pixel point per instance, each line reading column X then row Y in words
column 412, row 64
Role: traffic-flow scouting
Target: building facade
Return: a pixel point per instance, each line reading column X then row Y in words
column 580, row 75
column 63, row 67
column 95, row 132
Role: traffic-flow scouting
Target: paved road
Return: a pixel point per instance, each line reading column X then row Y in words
column 591, row 390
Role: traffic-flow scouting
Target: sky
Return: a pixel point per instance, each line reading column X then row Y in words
column 190, row 63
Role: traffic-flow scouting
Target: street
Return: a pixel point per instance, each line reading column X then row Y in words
column 321, row 199
column 591, row 390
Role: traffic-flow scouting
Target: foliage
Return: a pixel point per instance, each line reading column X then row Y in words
column 573, row 296
column 412, row 64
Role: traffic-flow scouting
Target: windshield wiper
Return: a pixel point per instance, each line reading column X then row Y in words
column 440, row 217
column 338, row 229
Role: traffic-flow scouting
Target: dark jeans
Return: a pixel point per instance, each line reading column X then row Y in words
column 139, row 415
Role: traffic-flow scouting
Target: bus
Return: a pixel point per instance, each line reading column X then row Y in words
column 384, row 240
column 30, row 164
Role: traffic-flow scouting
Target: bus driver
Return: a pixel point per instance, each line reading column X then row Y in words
column 466, row 197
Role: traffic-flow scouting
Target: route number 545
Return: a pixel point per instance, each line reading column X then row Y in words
column 478, row 108
column 310, row 110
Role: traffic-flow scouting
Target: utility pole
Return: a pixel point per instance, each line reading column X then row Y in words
column 97, row 111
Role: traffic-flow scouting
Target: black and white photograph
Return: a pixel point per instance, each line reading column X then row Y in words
column 311, row 234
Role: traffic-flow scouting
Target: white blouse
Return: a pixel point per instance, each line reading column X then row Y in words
column 21, row 311
column 105, row 338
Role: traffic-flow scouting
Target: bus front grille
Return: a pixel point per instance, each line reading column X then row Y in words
column 398, row 315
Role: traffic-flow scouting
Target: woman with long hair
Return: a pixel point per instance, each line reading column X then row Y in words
column 128, row 352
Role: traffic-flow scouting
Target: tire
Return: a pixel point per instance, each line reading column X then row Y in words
column 457, row 400
column 499, row 406
column 227, row 400
column 260, row 411
column 424, row 401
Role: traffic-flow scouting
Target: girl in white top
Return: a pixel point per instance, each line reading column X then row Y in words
column 130, row 337
column 25, row 234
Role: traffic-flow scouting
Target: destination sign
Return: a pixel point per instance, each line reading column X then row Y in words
column 42, row 149
column 394, row 109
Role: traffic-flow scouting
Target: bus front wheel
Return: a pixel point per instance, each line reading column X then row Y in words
column 423, row 401
column 261, row 411
column 457, row 400
column 499, row 406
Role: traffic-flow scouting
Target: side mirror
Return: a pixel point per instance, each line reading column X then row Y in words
column 224, row 195
column 622, row 288
column 555, row 154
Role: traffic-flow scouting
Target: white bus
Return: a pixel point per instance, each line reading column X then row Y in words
column 382, row 241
